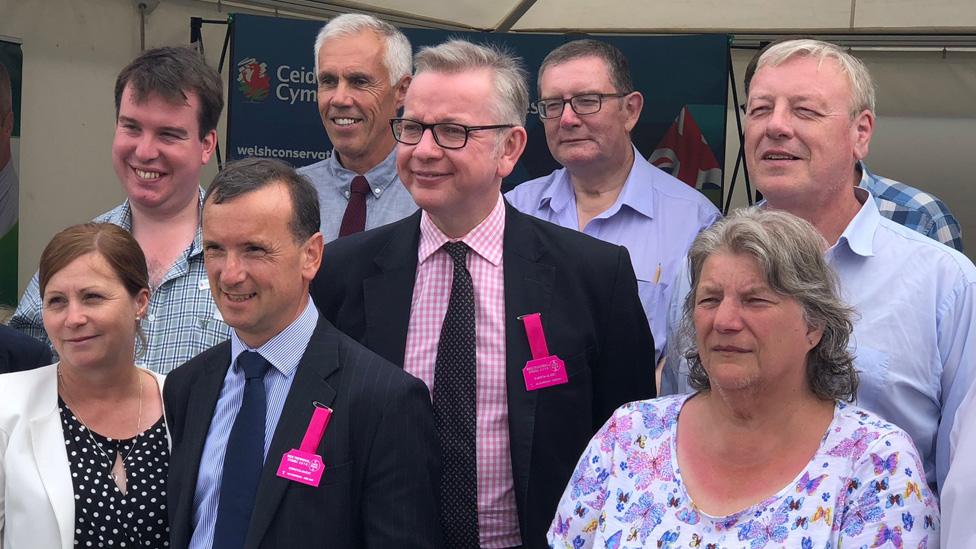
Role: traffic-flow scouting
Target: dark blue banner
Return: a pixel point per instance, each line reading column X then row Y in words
column 272, row 110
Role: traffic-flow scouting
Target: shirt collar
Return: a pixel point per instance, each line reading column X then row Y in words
column 284, row 351
column 486, row 239
column 379, row 176
column 869, row 182
column 559, row 194
column 859, row 233
column 124, row 220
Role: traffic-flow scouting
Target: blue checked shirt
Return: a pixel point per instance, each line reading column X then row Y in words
column 283, row 351
column 915, row 209
column 182, row 320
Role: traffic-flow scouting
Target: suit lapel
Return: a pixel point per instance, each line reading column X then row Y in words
column 47, row 442
column 528, row 289
column 387, row 296
column 201, row 403
column 320, row 360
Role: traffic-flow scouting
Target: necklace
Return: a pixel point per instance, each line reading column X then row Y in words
column 116, row 468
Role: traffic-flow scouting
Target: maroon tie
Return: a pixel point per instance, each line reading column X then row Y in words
column 354, row 220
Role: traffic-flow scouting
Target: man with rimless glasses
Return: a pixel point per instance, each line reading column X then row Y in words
column 454, row 293
column 605, row 189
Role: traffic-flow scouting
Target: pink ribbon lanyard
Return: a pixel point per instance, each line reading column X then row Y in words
column 537, row 339
column 316, row 428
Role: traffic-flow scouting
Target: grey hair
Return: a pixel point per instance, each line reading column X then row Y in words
column 617, row 67
column 396, row 58
column 862, row 85
column 6, row 91
column 511, row 90
column 789, row 252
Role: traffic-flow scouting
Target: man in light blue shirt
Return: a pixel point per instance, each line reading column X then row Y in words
column 606, row 189
column 906, row 205
column 809, row 119
column 363, row 69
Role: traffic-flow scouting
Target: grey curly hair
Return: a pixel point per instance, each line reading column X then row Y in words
column 789, row 252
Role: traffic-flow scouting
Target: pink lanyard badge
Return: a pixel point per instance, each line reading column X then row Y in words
column 304, row 465
column 544, row 370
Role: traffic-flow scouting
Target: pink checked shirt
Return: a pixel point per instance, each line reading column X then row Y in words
column 497, row 513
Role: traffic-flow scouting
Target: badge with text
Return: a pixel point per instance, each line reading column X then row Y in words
column 544, row 370
column 304, row 465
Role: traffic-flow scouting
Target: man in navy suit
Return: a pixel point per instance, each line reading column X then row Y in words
column 238, row 412
column 455, row 293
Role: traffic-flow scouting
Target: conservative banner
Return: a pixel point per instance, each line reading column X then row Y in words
column 272, row 111
column 11, row 64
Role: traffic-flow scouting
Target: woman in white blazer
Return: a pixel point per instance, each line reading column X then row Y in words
column 84, row 449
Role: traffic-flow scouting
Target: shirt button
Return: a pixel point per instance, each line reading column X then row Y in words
column 377, row 191
column 347, row 194
column 150, row 317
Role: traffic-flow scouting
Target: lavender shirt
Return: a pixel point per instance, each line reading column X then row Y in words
column 656, row 217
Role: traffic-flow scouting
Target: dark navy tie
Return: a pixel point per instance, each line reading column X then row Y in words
column 455, row 411
column 244, row 458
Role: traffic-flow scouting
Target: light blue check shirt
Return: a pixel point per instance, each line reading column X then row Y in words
column 914, row 337
column 388, row 202
column 915, row 209
column 283, row 351
column 182, row 320
column 656, row 217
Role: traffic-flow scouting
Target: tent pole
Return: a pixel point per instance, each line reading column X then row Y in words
column 513, row 16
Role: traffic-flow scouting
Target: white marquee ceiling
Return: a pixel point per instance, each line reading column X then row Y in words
column 868, row 16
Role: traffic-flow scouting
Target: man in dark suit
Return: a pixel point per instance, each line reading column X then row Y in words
column 450, row 294
column 20, row 352
column 241, row 413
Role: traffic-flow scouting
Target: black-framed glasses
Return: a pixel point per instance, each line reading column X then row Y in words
column 583, row 104
column 447, row 135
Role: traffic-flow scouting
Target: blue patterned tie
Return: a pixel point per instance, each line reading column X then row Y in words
column 455, row 410
column 244, row 457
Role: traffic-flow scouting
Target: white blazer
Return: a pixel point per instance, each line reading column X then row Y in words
column 37, row 506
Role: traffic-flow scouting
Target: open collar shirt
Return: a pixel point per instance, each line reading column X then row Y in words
column 497, row 511
column 914, row 337
column 656, row 217
column 182, row 320
column 389, row 200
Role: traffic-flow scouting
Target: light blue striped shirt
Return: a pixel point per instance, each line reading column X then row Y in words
column 283, row 351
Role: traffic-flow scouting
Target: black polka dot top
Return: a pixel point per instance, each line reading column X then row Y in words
column 104, row 517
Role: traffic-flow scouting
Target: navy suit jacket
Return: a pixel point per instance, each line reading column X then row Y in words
column 593, row 320
column 19, row 352
column 381, row 468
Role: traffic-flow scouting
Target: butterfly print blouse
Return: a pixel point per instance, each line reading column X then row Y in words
column 864, row 488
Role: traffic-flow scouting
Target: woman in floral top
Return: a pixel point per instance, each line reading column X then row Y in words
column 766, row 454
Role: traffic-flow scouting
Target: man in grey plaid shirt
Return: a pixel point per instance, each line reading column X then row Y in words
column 167, row 104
